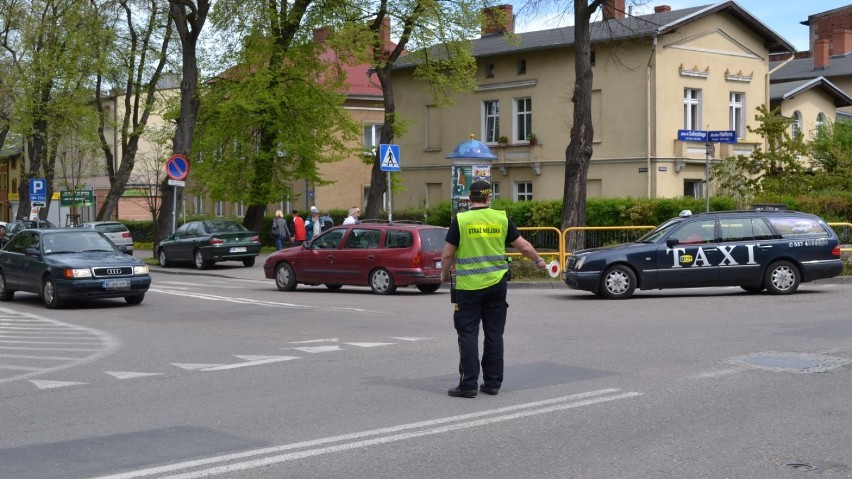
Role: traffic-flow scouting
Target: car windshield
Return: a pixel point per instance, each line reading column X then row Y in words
column 659, row 231
column 81, row 242
column 224, row 227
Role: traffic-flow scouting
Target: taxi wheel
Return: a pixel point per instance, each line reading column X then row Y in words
column 49, row 294
column 248, row 262
column 782, row 277
column 285, row 279
column 381, row 282
column 164, row 262
column 618, row 282
column 428, row 288
column 6, row 294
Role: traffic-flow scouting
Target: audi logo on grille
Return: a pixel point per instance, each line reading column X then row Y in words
column 113, row 271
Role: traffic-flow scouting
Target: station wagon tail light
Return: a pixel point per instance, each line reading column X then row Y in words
column 255, row 239
column 126, row 234
column 836, row 251
column 417, row 260
column 216, row 241
column 72, row 273
column 140, row 269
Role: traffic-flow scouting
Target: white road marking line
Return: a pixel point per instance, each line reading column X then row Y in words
column 369, row 345
column 257, row 358
column 715, row 374
column 20, row 368
column 101, row 345
column 252, row 363
column 317, row 349
column 331, row 340
column 500, row 414
column 193, row 367
column 51, row 358
column 409, row 339
column 213, row 297
column 43, row 384
column 130, row 375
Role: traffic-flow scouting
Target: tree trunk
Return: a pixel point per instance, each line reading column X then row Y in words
column 578, row 155
column 378, row 178
column 189, row 19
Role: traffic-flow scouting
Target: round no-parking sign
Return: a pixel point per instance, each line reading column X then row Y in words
column 177, row 167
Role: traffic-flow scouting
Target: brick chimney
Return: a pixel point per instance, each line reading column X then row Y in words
column 321, row 34
column 613, row 9
column 841, row 42
column 384, row 36
column 499, row 19
column 662, row 8
column 821, row 54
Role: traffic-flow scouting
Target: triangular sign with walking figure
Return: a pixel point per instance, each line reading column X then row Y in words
column 390, row 157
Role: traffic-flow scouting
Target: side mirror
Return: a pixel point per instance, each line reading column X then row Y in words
column 671, row 242
column 31, row 252
column 306, row 244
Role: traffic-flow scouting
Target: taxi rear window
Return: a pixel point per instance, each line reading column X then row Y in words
column 792, row 226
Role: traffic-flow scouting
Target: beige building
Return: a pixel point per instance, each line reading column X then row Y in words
column 701, row 68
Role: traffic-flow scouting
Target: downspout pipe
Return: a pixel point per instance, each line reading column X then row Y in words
column 648, row 111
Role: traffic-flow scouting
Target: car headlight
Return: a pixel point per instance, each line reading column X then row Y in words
column 71, row 273
column 580, row 262
column 141, row 269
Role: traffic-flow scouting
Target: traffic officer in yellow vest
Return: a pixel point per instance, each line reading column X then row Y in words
column 476, row 246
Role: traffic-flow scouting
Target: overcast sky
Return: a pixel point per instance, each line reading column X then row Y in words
column 782, row 16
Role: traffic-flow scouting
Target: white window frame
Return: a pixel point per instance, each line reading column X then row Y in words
column 198, row 205
column 692, row 108
column 239, row 208
column 491, row 121
column 796, row 127
column 495, row 190
column 372, row 135
column 523, row 191
column 219, row 207
column 821, row 120
column 737, row 108
column 523, row 118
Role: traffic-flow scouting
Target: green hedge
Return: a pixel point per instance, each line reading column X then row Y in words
column 836, row 207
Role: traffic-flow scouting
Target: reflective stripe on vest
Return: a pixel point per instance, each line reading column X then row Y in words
column 481, row 255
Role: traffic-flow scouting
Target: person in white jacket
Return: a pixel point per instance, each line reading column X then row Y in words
column 352, row 219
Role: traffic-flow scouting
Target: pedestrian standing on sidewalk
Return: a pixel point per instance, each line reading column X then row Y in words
column 299, row 232
column 476, row 247
column 280, row 230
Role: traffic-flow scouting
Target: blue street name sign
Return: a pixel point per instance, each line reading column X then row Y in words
column 38, row 190
column 692, row 135
column 723, row 136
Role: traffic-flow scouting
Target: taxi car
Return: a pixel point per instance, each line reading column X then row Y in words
column 756, row 250
column 204, row 243
column 63, row 264
column 381, row 256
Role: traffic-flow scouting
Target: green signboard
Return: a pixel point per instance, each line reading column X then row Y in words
column 79, row 198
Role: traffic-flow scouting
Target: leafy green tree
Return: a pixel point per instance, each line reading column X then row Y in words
column 135, row 43
column 831, row 150
column 780, row 168
column 419, row 25
column 278, row 114
column 45, row 44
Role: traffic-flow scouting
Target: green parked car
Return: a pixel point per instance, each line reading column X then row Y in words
column 204, row 243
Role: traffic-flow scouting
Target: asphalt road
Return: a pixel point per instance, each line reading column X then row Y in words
column 219, row 374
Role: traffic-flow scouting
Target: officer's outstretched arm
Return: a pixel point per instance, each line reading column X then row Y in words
column 525, row 248
column 448, row 259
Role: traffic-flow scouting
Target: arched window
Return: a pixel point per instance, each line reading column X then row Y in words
column 796, row 127
column 820, row 120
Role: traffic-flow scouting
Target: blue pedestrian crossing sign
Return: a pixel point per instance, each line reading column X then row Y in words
column 390, row 157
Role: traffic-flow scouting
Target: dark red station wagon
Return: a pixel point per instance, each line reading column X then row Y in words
column 381, row 256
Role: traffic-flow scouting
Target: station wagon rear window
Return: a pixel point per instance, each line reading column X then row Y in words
column 433, row 239
column 792, row 226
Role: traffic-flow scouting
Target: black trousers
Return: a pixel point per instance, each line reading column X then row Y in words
column 487, row 306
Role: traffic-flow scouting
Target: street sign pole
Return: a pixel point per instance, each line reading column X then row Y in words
column 708, row 153
column 389, row 155
column 390, row 199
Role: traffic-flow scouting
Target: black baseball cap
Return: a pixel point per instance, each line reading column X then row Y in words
column 480, row 188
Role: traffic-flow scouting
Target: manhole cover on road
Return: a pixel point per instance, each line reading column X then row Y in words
column 790, row 362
